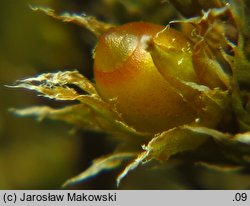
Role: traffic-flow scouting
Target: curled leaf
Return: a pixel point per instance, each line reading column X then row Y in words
column 91, row 112
column 189, row 137
column 165, row 145
column 58, row 85
column 89, row 22
column 101, row 164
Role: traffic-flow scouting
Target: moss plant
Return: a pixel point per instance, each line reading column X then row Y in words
column 163, row 90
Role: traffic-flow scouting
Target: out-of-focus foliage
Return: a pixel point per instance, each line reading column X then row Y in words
column 218, row 138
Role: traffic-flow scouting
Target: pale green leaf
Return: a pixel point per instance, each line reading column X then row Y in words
column 101, row 164
column 89, row 22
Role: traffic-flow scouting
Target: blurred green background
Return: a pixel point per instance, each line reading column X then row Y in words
column 42, row 155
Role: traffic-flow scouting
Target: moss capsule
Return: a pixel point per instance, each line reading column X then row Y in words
column 124, row 71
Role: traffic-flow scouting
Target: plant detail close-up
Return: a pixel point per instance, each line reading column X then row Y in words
column 175, row 93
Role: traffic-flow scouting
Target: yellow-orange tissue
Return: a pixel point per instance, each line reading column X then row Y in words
column 126, row 74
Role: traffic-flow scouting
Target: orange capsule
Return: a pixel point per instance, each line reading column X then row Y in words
column 126, row 74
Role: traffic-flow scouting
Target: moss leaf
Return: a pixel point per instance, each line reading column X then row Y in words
column 89, row 22
column 165, row 145
column 101, row 164
column 91, row 113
